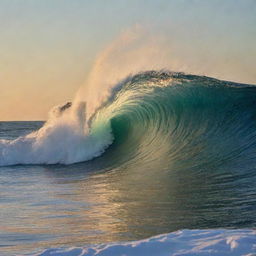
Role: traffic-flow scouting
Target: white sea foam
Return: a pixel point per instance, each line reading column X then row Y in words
column 219, row 242
column 63, row 139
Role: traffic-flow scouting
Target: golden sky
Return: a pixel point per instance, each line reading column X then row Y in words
column 47, row 48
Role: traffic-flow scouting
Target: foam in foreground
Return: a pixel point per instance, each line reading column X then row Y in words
column 186, row 242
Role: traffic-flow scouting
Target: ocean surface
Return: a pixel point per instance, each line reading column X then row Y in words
column 164, row 154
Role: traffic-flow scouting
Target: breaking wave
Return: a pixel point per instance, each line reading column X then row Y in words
column 186, row 119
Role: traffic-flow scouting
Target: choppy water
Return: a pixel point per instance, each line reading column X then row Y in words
column 167, row 152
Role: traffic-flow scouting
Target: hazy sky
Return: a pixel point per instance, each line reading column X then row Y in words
column 47, row 47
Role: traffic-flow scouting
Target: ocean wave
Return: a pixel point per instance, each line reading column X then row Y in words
column 187, row 119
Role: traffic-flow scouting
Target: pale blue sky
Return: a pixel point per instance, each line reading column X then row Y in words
column 48, row 46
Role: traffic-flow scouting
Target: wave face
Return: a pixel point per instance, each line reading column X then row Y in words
column 184, row 120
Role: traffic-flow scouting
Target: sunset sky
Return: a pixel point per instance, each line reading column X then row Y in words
column 47, row 47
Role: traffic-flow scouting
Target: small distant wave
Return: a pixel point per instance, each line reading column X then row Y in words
column 219, row 242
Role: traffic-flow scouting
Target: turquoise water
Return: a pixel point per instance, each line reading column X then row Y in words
column 182, row 157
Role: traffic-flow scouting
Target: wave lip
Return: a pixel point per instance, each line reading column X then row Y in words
column 219, row 242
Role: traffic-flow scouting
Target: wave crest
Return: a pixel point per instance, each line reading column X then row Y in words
column 149, row 115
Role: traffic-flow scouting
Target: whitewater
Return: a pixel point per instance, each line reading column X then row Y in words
column 184, row 242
